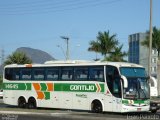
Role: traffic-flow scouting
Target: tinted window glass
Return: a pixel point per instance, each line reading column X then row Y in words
column 38, row 74
column 66, row 73
column 52, row 74
column 96, row 73
column 26, row 74
column 133, row 72
column 81, row 73
column 9, row 73
column 17, row 74
column 113, row 80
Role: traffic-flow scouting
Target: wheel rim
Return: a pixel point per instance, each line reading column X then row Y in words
column 22, row 103
column 97, row 107
column 32, row 104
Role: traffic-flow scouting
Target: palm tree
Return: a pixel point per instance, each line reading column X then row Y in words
column 117, row 55
column 155, row 40
column 104, row 44
column 94, row 46
column 18, row 58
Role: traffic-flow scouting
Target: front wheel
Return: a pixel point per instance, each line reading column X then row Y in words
column 153, row 111
column 96, row 107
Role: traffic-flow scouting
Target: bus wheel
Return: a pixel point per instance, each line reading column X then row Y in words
column 153, row 111
column 21, row 102
column 96, row 106
column 32, row 103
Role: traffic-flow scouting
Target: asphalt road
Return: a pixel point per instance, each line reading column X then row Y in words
column 14, row 113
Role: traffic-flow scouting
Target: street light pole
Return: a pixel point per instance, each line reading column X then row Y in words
column 150, row 41
column 67, row 50
column 62, row 51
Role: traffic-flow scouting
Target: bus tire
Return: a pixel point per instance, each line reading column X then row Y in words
column 96, row 106
column 21, row 102
column 32, row 103
column 153, row 111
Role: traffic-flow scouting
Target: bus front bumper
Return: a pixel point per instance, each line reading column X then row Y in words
column 126, row 108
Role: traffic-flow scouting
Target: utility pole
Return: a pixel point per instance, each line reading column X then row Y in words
column 67, row 50
column 150, row 41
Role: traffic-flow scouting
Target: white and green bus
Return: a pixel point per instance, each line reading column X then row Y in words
column 78, row 84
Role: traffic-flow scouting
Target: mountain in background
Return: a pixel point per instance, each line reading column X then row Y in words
column 37, row 56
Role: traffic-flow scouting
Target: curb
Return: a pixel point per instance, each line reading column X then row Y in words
column 32, row 113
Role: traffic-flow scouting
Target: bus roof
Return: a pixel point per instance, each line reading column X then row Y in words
column 76, row 63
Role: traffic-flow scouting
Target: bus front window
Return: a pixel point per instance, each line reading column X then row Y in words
column 138, row 87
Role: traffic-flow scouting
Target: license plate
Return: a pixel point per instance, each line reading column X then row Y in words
column 138, row 109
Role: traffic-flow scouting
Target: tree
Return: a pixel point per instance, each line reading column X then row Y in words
column 18, row 58
column 117, row 55
column 104, row 44
column 155, row 40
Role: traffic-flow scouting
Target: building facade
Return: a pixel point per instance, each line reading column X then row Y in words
column 139, row 54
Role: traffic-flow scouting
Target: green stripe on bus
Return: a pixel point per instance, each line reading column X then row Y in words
column 74, row 87
column 66, row 87
column 47, row 95
column 43, row 86
column 17, row 86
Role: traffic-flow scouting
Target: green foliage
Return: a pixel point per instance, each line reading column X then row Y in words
column 107, row 45
column 155, row 40
column 104, row 44
column 117, row 55
column 18, row 58
column 1, row 81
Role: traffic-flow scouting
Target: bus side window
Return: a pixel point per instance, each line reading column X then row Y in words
column 26, row 74
column 9, row 73
column 113, row 80
column 96, row 73
column 117, row 87
column 16, row 74
column 66, row 73
column 38, row 74
column 81, row 73
column 52, row 74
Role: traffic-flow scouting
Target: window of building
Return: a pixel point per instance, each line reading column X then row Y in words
column 154, row 69
column 154, row 60
column 154, row 51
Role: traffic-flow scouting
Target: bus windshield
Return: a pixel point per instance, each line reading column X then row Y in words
column 138, row 87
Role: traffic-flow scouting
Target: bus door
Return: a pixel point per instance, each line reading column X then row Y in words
column 114, row 86
column 117, row 99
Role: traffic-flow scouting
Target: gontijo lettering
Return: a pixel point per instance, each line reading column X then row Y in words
column 82, row 87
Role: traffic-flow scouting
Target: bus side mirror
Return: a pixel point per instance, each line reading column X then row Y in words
column 124, row 81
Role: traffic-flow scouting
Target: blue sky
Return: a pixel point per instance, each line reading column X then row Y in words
column 40, row 23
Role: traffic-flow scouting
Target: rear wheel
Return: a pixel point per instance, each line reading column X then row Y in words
column 32, row 103
column 96, row 106
column 21, row 102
